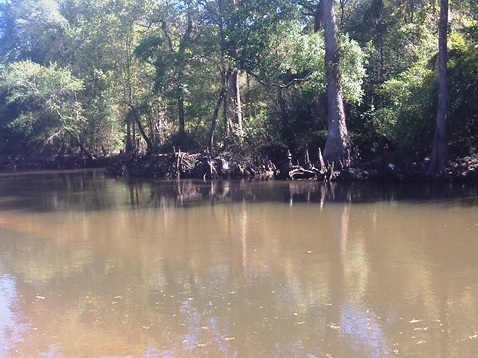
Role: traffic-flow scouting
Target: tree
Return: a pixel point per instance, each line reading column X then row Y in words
column 102, row 36
column 31, row 30
column 337, row 145
column 243, row 30
column 220, row 15
column 47, row 96
column 168, row 45
column 439, row 155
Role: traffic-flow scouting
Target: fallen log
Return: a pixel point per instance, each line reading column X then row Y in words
column 301, row 173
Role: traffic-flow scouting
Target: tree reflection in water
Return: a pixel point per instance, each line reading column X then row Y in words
column 192, row 268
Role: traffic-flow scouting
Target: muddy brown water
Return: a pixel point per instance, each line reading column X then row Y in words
column 98, row 267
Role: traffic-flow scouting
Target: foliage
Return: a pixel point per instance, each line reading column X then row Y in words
column 47, row 101
column 31, row 29
column 138, row 75
column 407, row 112
column 463, row 89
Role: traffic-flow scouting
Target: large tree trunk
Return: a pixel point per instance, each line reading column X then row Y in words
column 337, row 143
column 439, row 155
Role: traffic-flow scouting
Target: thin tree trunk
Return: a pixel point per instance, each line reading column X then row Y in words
column 439, row 155
column 215, row 115
column 181, row 68
column 128, row 92
column 149, row 143
column 80, row 144
column 227, row 116
column 318, row 16
column 337, row 143
column 129, row 140
column 237, row 100
column 134, row 114
column 287, row 132
column 342, row 12
column 181, row 111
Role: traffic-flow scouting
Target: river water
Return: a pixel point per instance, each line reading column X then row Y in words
column 98, row 267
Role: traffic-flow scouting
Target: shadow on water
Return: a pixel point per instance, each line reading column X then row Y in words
column 91, row 190
column 188, row 193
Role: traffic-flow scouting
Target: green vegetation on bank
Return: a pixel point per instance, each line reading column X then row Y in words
column 102, row 77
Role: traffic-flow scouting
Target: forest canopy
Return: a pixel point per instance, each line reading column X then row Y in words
column 108, row 76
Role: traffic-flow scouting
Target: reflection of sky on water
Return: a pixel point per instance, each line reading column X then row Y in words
column 11, row 330
column 364, row 332
column 191, row 339
column 203, row 329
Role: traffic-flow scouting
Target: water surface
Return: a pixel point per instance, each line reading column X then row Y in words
column 98, row 267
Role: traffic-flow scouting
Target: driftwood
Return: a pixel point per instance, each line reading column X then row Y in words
column 201, row 165
column 300, row 173
column 317, row 171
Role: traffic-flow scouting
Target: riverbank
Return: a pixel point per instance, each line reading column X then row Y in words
column 223, row 165
column 228, row 165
